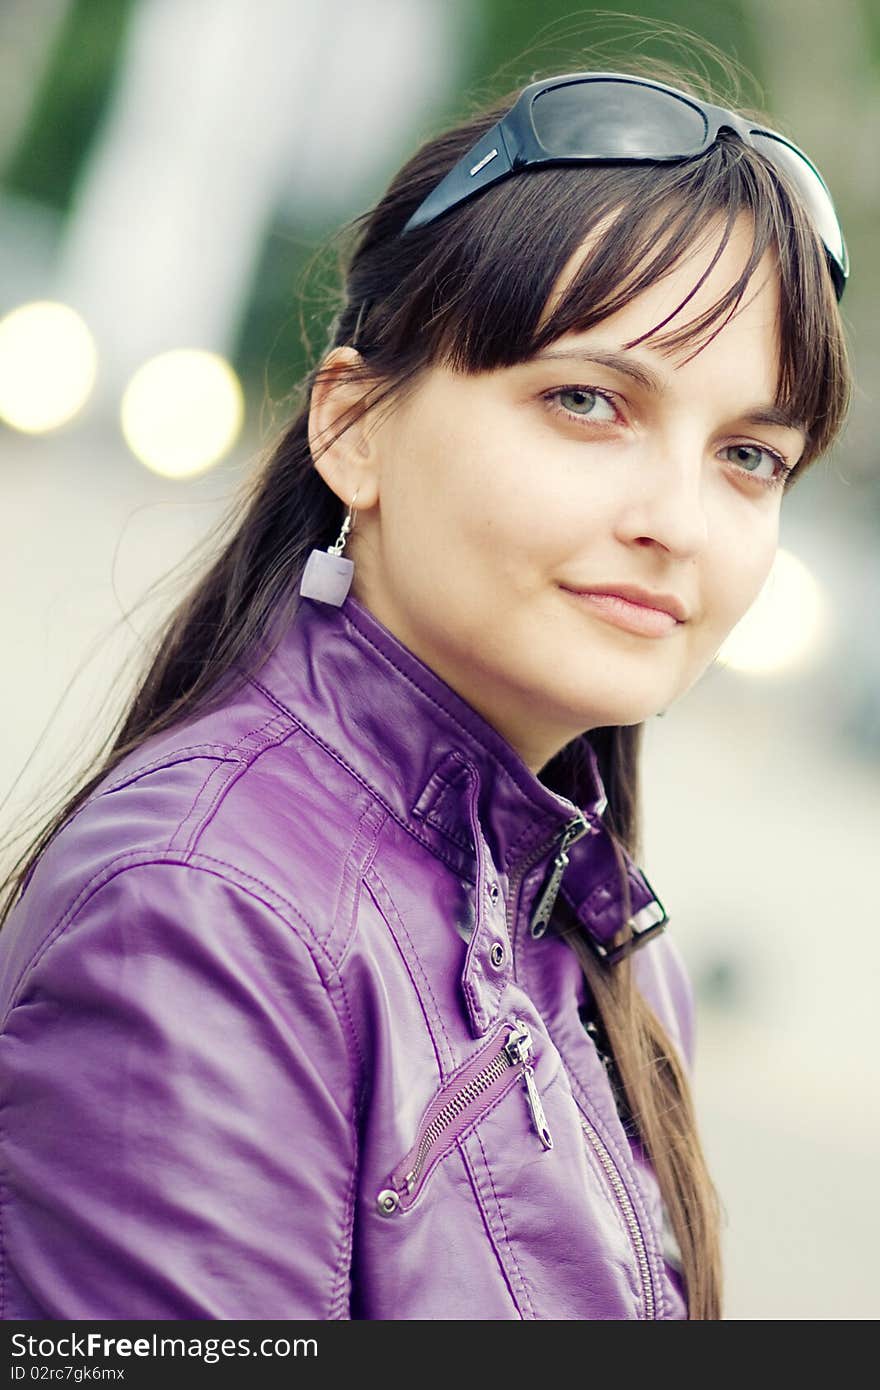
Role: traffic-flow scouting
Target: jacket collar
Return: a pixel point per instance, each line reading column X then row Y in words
column 447, row 775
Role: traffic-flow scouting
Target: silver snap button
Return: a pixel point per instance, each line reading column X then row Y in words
column 387, row 1201
column 497, row 954
column 494, row 890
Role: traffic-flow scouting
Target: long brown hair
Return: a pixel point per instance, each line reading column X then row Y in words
column 470, row 291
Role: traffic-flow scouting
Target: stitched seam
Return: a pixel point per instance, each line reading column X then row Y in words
column 253, row 733
column 630, row 1183
column 262, row 732
column 136, row 859
column 625, row 1167
column 530, row 832
column 432, row 818
column 490, row 1234
column 368, row 786
column 187, row 848
column 191, row 864
column 508, row 1241
column 226, row 781
column 360, row 850
column 469, row 733
column 211, row 750
column 218, row 752
column 224, row 751
column 450, row 1145
column 339, row 1292
column 416, row 959
column 345, row 1025
column 408, row 963
column 355, row 1042
column 485, row 1047
column 447, row 786
column 195, row 861
column 362, row 870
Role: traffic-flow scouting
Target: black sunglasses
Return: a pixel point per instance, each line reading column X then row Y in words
column 609, row 117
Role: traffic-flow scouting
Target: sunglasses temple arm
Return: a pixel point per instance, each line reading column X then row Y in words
column 485, row 163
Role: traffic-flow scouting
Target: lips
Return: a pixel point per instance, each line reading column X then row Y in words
column 647, row 598
column 623, row 613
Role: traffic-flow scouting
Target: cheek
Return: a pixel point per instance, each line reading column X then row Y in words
column 738, row 578
column 447, row 518
column 473, row 506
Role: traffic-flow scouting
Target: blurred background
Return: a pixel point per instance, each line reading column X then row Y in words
column 172, row 173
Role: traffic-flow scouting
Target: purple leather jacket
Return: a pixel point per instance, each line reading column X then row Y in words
column 283, row 1035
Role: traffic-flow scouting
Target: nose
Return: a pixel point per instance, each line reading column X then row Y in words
column 664, row 502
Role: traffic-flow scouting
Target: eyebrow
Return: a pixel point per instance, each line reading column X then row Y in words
column 650, row 381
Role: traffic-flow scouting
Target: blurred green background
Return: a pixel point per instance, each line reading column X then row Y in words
column 815, row 68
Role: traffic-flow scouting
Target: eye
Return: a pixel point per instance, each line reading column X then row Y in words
column 583, row 402
column 749, row 457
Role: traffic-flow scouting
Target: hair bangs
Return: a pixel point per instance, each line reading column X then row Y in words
column 491, row 300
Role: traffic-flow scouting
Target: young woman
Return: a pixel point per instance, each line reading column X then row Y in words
column 337, row 990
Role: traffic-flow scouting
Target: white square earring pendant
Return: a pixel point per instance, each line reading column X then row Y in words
column 328, row 574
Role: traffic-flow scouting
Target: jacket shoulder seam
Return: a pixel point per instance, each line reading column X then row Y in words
column 133, row 859
column 197, row 818
column 233, row 754
column 219, row 750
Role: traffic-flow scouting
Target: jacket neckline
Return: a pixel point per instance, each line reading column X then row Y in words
column 403, row 728
column 443, row 770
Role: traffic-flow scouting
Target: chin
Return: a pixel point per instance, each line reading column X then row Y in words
column 616, row 708
column 619, row 718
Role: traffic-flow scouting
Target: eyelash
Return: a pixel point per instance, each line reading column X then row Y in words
column 779, row 479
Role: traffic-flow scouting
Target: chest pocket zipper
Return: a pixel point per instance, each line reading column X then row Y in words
column 506, row 1060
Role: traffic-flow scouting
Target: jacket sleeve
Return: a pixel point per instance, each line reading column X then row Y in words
column 179, row 1097
column 662, row 974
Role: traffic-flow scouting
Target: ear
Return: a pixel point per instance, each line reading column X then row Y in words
column 349, row 464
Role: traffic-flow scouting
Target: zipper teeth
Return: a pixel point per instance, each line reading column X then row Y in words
column 574, row 830
column 525, row 870
column 453, row 1108
column 626, row 1207
column 605, row 1158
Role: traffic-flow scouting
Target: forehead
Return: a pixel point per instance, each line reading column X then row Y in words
column 689, row 290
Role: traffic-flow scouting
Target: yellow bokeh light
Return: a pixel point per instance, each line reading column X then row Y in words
column 182, row 411
column 48, row 364
column 785, row 627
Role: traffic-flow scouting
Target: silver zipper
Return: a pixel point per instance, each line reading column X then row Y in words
column 454, row 1107
column 575, row 828
column 515, row 1051
column 517, row 880
column 519, row 1045
column 629, row 1215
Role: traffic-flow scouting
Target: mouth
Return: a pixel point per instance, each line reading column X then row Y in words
column 624, row 613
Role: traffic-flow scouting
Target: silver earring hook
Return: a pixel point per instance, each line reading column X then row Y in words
column 339, row 543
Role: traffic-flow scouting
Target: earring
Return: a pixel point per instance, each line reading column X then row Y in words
column 328, row 574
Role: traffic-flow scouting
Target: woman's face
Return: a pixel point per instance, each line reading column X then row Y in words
column 483, row 501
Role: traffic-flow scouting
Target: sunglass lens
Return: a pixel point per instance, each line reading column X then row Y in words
column 616, row 120
column 813, row 192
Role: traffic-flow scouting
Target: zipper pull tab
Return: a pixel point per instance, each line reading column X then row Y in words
column 519, row 1048
column 539, row 1119
column 549, row 893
